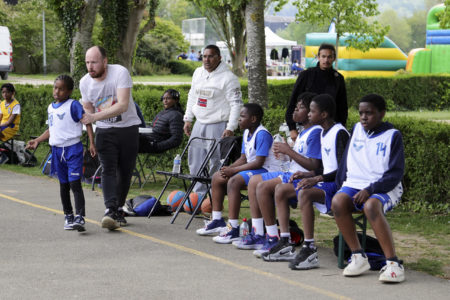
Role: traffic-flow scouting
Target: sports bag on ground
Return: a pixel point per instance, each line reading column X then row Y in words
column 142, row 205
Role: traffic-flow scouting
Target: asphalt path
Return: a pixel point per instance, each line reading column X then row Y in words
column 153, row 259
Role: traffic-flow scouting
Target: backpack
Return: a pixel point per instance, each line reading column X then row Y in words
column 142, row 205
column 373, row 251
column 90, row 166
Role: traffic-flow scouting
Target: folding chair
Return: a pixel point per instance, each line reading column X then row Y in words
column 203, row 172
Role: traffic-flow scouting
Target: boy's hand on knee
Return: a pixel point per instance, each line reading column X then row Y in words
column 361, row 197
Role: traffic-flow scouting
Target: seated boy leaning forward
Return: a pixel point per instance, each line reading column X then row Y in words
column 317, row 190
column 371, row 172
column 305, row 156
column 9, row 113
column 256, row 158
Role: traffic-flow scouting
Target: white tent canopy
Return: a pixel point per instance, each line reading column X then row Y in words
column 273, row 40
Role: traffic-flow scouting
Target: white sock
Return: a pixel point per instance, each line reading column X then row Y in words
column 233, row 222
column 272, row 230
column 217, row 215
column 285, row 234
column 258, row 226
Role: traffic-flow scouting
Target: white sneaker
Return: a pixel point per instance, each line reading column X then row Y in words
column 392, row 272
column 358, row 265
column 227, row 236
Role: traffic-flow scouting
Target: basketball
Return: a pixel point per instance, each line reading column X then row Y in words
column 191, row 203
column 174, row 199
column 206, row 206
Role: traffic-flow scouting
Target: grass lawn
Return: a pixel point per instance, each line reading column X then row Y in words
column 422, row 240
column 422, row 114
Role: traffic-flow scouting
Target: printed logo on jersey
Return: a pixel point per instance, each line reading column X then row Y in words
column 50, row 119
column 357, row 147
column 61, row 116
column 202, row 102
column 327, row 150
column 381, row 149
column 301, row 147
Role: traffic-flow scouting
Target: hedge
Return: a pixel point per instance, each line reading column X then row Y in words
column 426, row 143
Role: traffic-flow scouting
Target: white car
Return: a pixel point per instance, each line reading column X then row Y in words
column 6, row 52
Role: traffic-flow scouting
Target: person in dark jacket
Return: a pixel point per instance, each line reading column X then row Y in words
column 322, row 79
column 167, row 126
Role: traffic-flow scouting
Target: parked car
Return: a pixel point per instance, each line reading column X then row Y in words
column 6, row 52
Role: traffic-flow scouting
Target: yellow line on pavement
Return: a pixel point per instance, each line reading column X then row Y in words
column 195, row 252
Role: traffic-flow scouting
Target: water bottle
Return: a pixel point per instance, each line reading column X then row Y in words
column 284, row 159
column 243, row 228
column 177, row 164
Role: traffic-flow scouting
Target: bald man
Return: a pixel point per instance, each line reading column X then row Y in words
column 107, row 100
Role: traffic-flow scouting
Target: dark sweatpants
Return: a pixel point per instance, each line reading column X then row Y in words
column 117, row 150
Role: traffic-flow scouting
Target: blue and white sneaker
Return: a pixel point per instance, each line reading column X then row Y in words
column 270, row 242
column 251, row 241
column 212, row 227
column 68, row 222
column 227, row 236
column 78, row 223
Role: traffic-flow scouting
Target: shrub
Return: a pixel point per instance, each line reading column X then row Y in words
column 182, row 66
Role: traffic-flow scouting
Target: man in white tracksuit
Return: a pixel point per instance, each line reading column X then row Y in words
column 214, row 100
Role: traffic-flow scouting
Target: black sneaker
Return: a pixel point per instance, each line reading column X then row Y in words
column 306, row 259
column 78, row 223
column 110, row 220
column 282, row 251
column 120, row 217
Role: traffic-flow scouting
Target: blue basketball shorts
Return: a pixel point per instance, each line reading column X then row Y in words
column 249, row 173
column 284, row 177
column 329, row 189
column 389, row 200
column 67, row 162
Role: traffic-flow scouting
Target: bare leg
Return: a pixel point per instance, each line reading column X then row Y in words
column 374, row 212
column 254, row 206
column 264, row 194
column 234, row 187
column 306, row 198
column 283, row 192
column 218, row 190
column 342, row 207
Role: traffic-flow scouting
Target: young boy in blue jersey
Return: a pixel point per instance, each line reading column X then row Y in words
column 370, row 178
column 256, row 158
column 64, row 134
column 305, row 157
column 317, row 190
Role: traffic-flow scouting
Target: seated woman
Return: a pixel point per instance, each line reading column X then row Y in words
column 9, row 113
column 167, row 126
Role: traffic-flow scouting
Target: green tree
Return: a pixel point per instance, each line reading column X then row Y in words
column 418, row 24
column 227, row 17
column 297, row 31
column 444, row 17
column 177, row 10
column 400, row 30
column 163, row 43
column 24, row 21
column 350, row 16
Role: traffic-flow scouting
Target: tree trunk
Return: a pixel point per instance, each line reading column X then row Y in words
column 125, row 53
column 237, row 18
column 82, row 39
column 256, row 53
column 337, row 51
column 151, row 23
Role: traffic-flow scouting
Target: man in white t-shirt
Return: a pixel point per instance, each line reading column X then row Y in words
column 215, row 101
column 107, row 100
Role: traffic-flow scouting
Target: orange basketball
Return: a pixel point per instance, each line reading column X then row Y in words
column 206, row 206
column 174, row 199
column 191, row 203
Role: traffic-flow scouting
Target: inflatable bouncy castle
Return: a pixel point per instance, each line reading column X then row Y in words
column 435, row 57
column 382, row 61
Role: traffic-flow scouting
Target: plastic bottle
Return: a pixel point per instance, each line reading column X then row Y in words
column 177, row 164
column 243, row 228
column 284, row 159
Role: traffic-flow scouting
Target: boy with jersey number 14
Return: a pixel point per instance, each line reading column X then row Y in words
column 370, row 178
